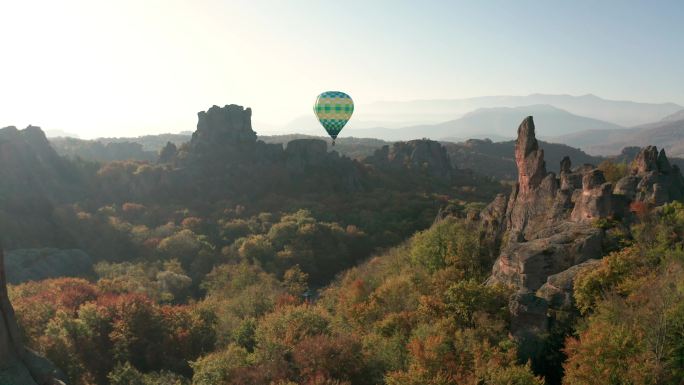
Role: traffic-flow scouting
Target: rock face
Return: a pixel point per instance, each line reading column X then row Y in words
column 548, row 226
column 595, row 201
column 18, row 365
column 168, row 153
column 302, row 152
column 557, row 290
column 529, row 158
column 222, row 125
column 654, row 180
column 426, row 156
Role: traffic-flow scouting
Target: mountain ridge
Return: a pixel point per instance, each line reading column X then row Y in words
column 621, row 112
column 490, row 122
column 667, row 133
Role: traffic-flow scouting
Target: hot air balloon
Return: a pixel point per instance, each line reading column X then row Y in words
column 333, row 109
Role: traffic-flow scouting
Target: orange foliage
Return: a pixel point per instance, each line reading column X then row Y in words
column 151, row 243
column 639, row 208
column 87, row 330
column 285, row 299
column 132, row 208
column 191, row 223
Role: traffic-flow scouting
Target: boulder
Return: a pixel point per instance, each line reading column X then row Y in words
column 596, row 199
column 527, row 265
column 627, row 186
column 558, row 288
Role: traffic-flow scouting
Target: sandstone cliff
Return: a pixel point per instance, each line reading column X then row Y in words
column 549, row 226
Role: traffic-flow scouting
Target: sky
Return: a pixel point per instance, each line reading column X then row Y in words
column 133, row 67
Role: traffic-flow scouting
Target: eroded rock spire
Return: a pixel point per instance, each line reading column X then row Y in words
column 529, row 157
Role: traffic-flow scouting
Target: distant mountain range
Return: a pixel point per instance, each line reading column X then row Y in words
column 493, row 123
column 679, row 115
column 623, row 113
column 485, row 117
column 668, row 134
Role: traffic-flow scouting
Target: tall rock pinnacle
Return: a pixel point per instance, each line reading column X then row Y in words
column 529, row 158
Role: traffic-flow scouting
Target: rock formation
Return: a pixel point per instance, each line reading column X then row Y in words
column 34, row 179
column 168, row 153
column 548, row 225
column 657, row 180
column 424, row 156
column 231, row 124
column 224, row 158
column 18, row 365
column 497, row 159
column 304, row 152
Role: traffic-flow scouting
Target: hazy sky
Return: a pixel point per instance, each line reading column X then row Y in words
column 130, row 67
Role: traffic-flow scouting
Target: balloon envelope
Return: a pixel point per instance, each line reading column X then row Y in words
column 333, row 109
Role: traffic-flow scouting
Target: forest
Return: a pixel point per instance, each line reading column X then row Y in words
column 229, row 260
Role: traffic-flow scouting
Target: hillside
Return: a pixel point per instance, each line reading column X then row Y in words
column 679, row 115
column 668, row 134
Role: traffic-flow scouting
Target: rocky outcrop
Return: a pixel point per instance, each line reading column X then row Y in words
column 34, row 180
column 28, row 164
column 595, row 200
column 424, row 156
column 527, row 265
column 310, row 164
column 302, row 152
column 653, row 179
column 548, row 224
column 557, row 290
column 168, row 153
column 529, row 158
column 18, row 365
column 231, row 124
